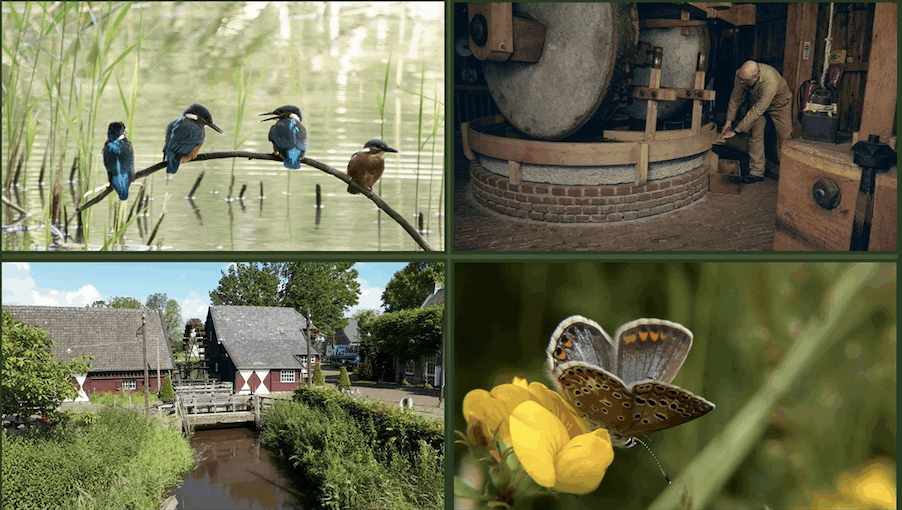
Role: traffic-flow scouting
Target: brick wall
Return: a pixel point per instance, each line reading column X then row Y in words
column 555, row 203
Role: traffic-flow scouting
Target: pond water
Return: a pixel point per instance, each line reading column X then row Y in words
column 236, row 472
column 330, row 59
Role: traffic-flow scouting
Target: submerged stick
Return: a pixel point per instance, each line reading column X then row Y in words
column 241, row 193
column 272, row 157
column 200, row 176
column 74, row 168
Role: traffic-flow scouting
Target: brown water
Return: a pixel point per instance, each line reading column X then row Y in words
column 327, row 58
column 236, row 472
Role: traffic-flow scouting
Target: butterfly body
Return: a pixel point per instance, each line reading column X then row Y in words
column 624, row 384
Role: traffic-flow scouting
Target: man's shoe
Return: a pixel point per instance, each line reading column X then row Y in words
column 751, row 179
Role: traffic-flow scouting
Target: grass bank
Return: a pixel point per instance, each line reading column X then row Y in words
column 355, row 453
column 112, row 459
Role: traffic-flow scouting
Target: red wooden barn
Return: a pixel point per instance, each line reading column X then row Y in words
column 261, row 349
column 112, row 336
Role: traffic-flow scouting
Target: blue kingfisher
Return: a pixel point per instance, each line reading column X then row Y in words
column 119, row 159
column 366, row 166
column 288, row 135
column 185, row 136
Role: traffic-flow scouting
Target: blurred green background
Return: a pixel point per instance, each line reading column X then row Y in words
column 838, row 418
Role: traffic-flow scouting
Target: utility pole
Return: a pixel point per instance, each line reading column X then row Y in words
column 309, row 362
column 146, row 373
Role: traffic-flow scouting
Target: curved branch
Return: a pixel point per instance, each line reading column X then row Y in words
column 272, row 157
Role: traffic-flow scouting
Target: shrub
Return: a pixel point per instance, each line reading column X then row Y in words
column 318, row 378
column 344, row 381
column 404, row 382
column 166, row 392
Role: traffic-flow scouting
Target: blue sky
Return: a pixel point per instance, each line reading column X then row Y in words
column 82, row 283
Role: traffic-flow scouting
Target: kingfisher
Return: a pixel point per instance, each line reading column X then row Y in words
column 119, row 159
column 185, row 136
column 288, row 135
column 366, row 166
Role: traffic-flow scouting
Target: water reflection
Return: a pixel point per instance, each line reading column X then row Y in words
column 236, row 473
column 328, row 58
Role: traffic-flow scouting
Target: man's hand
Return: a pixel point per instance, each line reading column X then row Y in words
column 728, row 134
column 726, row 128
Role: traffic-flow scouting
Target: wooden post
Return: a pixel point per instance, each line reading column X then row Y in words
column 801, row 28
column 654, row 81
column 642, row 165
column 513, row 172
column 879, row 109
column 700, row 67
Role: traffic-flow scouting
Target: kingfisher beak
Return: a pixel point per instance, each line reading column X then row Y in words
column 214, row 126
column 389, row 149
column 269, row 113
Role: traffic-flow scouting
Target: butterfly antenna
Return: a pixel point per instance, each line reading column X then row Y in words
column 655, row 458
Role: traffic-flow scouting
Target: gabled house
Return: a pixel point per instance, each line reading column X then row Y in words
column 337, row 344
column 427, row 368
column 260, row 349
column 112, row 336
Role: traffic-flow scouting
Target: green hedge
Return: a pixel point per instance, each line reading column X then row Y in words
column 388, row 422
column 112, row 459
column 353, row 457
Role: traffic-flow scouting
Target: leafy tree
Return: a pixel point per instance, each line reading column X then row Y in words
column 117, row 302
column 366, row 315
column 344, row 380
column 249, row 284
column 33, row 381
column 172, row 313
column 166, row 391
column 399, row 336
column 327, row 288
column 409, row 287
column 318, row 378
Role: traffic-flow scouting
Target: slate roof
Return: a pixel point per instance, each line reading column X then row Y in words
column 349, row 335
column 436, row 298
column 260, row 336
column 108, row 334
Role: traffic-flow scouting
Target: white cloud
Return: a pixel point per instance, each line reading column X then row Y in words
column 370, row 297
column 19, row 288
column 195, row 305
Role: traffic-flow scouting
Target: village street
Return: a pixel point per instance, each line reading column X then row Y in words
column 426, row 402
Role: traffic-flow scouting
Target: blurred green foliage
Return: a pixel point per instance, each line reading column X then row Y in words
column 744, row 317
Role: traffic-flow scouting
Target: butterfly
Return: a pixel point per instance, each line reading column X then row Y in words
column 624, row 384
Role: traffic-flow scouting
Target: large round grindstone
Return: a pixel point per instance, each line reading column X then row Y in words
column 583, row 74
column 678, row 66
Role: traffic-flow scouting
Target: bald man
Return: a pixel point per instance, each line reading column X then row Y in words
column 769, row 94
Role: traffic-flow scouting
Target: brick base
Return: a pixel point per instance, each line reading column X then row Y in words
column 556, row 203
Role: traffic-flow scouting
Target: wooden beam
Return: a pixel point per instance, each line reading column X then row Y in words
column 642, row 164
column 499, row 31
column 513, row 172
column 651, row 115
column 879, row 110
column 801, row 28
column 583, row 154
column 670, row 23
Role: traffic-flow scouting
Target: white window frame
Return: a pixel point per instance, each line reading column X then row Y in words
column 431, row 363
column 410, row 367
column 285, row 375
column 129, row 385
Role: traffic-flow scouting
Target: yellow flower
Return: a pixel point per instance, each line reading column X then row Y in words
column 874, row 486
column 554, row 456
column 491, row 410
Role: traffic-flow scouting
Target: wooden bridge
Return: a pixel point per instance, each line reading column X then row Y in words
column 214, row 404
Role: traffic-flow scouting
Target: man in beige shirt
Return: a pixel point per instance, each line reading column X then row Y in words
column 769, row 94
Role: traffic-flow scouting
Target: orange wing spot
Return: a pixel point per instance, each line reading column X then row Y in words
column 561, row 356
column 655, row 336
column 643, row 335
column 567, row 345
column 629, row 338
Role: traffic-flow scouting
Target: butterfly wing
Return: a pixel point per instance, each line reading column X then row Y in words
column 651, row 349
column 597, row 395
column 658, row 406
column 578, row 339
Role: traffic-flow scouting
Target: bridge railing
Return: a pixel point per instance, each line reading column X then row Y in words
column 213, row 403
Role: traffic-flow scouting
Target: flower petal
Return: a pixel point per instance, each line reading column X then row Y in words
column 537, row 436
column 480, row 405
column 554, row 402
column 582, row 463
